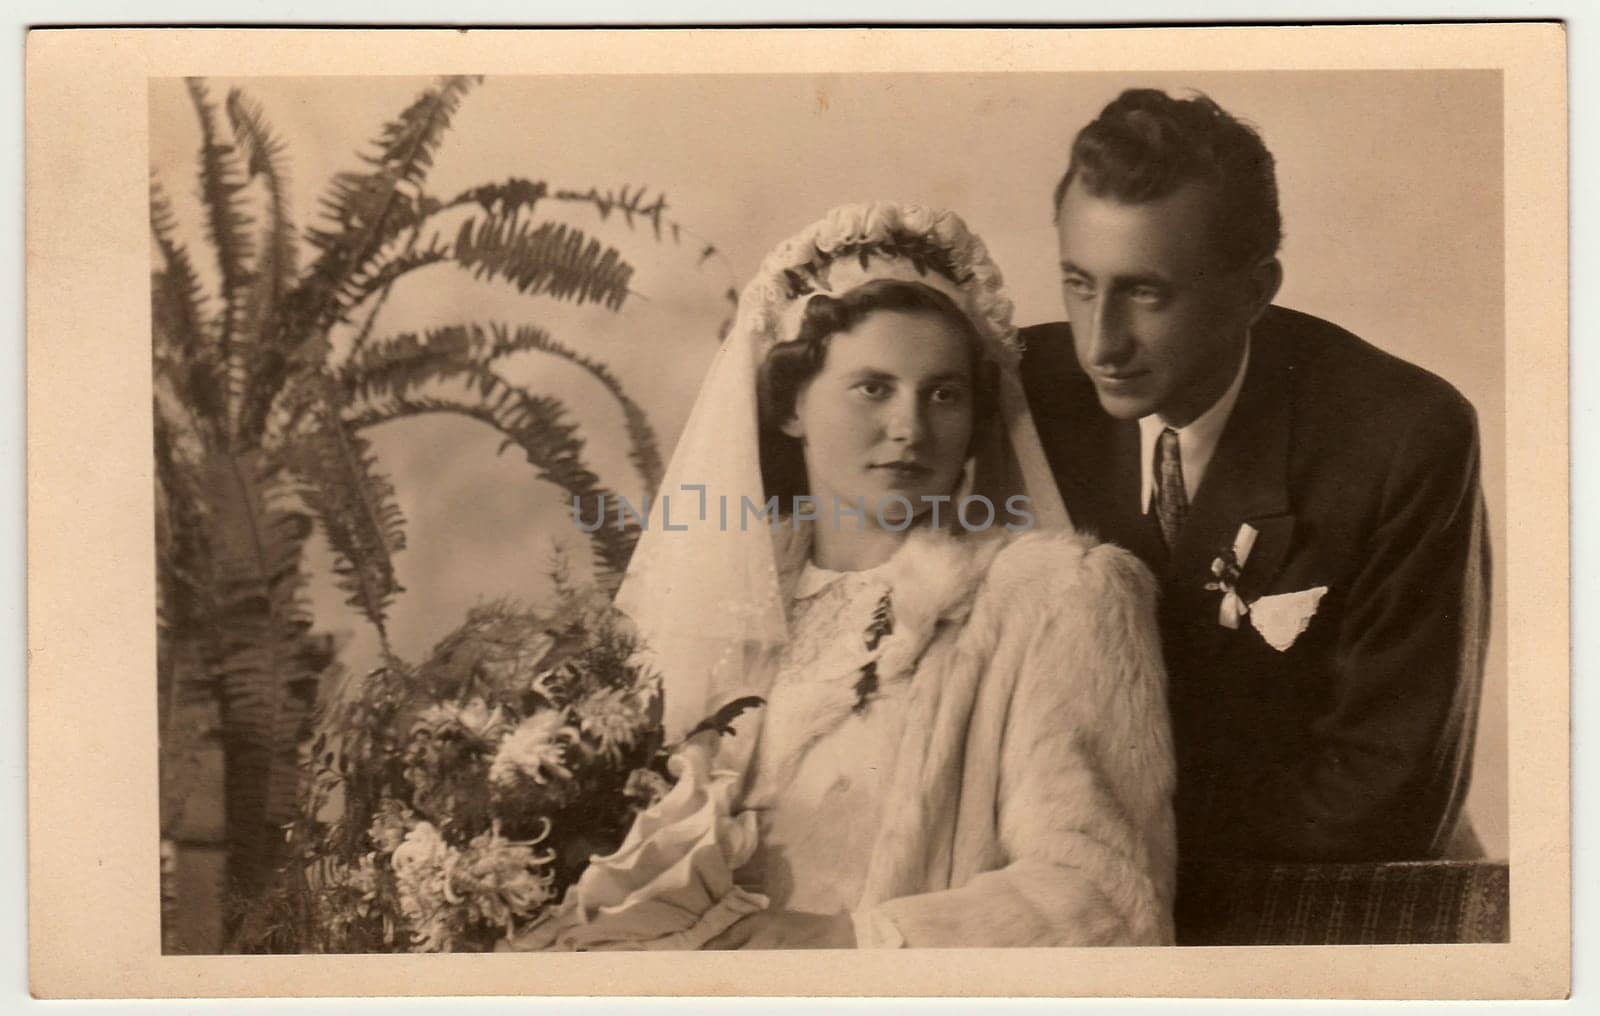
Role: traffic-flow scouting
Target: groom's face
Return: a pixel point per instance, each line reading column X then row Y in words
column 1158, row 324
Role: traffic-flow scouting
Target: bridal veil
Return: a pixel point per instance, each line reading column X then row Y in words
column 706, row 594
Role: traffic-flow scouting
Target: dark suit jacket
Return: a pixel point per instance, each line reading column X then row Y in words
column 1360, row 472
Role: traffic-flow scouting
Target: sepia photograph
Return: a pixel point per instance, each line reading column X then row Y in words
column 776, row 510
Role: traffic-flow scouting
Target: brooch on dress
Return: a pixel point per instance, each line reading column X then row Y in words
column 882, row 624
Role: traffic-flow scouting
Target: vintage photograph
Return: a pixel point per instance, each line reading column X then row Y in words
column 797, row 513
column 845, row 511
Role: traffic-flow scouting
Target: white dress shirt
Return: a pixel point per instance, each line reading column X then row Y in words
column 1197, row 442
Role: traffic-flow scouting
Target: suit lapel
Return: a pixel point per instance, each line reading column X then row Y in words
column 1095, row 457
column 1247, row 482
column 1135, row 529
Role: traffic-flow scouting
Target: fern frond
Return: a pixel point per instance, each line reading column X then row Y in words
column 181, row 336
column 265, row 663
column 275, row 266
column 262, row 148
column 184, row 688
column 363, row 210
column 180, row 300
column 369, row 210
column 552, row 259
column 408, row 143
column 355, row 505
column 399, row 366
column 394, row 367
column 504, row 342
column 222, row 182
column 184, row 577
column 257, row 542
column 366, row 214
column 630, row 206
column 294, row 412
column 383, row 270
column 516, row 194
column 643, row 449
column 633, row 206
column 541, row 428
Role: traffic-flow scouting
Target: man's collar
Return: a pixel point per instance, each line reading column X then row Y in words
column 1197, row 440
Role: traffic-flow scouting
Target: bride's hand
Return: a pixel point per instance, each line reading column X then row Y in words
column 788, row 929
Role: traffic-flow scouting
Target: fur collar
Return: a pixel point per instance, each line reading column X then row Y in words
column 933, row 579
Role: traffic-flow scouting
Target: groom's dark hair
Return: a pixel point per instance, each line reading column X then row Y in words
column 1146, row 144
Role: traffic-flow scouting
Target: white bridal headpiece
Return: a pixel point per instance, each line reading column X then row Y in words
column 706, row 594
column 856, row 244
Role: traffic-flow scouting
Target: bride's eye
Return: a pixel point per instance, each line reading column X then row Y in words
column 872, row 389
column 947, row 394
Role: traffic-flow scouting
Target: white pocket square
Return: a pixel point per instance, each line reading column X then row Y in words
column 1282, row 618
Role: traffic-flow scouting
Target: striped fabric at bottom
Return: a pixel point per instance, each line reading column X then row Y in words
column 1255, row 903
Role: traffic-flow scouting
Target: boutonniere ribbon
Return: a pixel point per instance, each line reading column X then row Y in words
column 1226, row 567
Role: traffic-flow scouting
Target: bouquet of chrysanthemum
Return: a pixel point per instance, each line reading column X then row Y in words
column 454, row 802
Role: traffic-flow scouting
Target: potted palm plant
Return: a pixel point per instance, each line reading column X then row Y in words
column 265, row 388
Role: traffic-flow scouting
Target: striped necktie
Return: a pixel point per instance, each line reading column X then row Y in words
column 1172, row 501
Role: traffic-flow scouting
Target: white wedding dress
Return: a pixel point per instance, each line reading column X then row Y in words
column 819, row 779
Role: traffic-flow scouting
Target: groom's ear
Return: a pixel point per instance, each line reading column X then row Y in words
column 1262, row 282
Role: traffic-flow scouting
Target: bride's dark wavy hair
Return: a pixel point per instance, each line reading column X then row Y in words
column 790, row 366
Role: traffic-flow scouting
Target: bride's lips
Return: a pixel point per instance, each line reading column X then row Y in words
column 904, row 470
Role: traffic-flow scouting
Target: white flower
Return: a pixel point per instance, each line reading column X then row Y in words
column 613, row 717
column 444, row 891
column 918, row 219
column 475, row 718
column 422, row 866
column 762, row 305
column 882, row 218
column 949, row 231
column 536, row 749
column 842, row 225
column 423, row 852
column 389, row 825
column 501, row 880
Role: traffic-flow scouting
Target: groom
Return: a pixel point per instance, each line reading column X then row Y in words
column 1309, row 504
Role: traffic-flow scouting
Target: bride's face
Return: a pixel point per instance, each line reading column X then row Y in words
column 890, row 413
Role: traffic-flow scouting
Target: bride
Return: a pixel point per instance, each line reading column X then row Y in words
column 962, row 738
